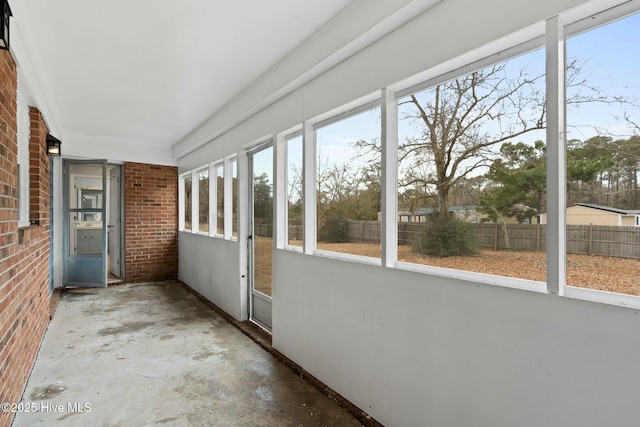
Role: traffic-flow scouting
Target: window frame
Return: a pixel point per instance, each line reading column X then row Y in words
column 282, row 187
column 309, row 164
column 500, row 51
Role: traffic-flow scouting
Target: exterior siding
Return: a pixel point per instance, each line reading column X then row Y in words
column 579, row 215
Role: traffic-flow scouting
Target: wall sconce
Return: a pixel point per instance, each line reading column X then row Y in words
column 53, row 145
column 4, row 27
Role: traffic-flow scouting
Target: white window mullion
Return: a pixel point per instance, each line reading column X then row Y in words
column 309, row 188
column 280, row 192
column 181, row 199
column 389, row 235
column 228, row 196
column 213, row 201
column 556, row 164
column 195, row 202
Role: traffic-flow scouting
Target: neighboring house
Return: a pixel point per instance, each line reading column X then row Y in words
column 465, row 213
column 420, row 215
column 468, row 214
column 585, row 214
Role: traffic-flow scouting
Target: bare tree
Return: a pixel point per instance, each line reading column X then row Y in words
column 459, row 122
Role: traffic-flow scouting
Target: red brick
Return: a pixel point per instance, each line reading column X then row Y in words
column 24, row 296
column 151, row 232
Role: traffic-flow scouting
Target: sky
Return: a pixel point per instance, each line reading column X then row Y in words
column 612, row 55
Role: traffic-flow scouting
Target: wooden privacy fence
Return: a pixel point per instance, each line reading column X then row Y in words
column 622, row 242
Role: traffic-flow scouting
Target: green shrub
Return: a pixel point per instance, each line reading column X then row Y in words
column 334, row 229
column 447, row 237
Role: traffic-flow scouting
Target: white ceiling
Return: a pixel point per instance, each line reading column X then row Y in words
column 150, row 71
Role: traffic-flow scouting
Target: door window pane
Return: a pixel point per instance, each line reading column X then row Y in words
column 262, row 220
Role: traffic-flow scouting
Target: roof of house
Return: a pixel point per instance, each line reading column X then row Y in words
column 429, row 211
column 609, row 209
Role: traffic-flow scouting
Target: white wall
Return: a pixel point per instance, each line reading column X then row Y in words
column 211, row 266
column 411, row 348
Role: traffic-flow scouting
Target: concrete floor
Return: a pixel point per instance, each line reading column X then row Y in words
column 153, row 354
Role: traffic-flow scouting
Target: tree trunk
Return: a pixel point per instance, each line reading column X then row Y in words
column 443, row 203
column 540, row 207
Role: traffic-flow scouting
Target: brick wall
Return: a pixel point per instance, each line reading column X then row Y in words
column 24, row 253
column 38, row 169
column 151, row 222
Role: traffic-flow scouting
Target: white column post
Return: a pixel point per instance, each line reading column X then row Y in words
column 228, row 198
column 213, row 201
column 309, row 188
column 195, row 196
column 389, row 230
column 280, row 191
column 180, row 202
column 556, row 164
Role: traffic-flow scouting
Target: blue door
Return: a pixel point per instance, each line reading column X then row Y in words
column 85, row 243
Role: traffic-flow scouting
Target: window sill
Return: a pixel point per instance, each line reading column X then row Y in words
column 489, row 279
column 29, row 233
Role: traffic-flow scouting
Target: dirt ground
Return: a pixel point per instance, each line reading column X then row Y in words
column 595, row 272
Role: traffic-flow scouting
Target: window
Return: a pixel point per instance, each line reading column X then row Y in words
column 603, row 157
column 348, row 184
column 187, row 202
column 472, row 171
column 203, row 200
column 472, row 181
column 294, row 189
column 219, row 170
